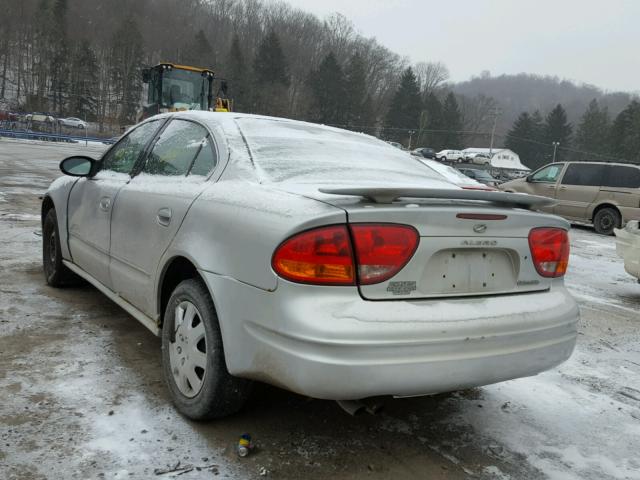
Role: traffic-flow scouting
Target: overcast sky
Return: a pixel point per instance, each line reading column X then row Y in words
column 588, row 41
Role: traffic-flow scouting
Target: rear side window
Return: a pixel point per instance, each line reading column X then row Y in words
column 585, row 174
column 122, row 157
column 180, row 147
column 622, row 177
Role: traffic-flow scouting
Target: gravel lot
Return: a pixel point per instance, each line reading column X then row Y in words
column 82, row 395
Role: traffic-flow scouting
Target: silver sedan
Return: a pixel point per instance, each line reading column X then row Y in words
column 312, row 258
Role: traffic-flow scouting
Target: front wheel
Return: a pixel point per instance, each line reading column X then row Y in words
column 193, row 356
column 606, row 220
column 55, row 272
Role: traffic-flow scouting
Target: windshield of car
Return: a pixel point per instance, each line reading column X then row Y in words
column 481, row 174
column 184, row 89
column 284, row 150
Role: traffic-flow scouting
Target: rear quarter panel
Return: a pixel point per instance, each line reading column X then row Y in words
column 234, row 227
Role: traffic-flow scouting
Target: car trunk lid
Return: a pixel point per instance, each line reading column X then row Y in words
column 472, row 243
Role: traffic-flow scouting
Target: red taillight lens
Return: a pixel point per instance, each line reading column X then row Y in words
column 321, row 256
column 549, row 251
column 382, row 250
column 325, row 255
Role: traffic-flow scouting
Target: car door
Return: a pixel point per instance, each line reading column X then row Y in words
column 543, row 182
column 90, row 202
column 150, row 208
column 579, row 187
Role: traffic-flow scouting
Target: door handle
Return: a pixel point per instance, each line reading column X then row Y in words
column 105, row 203
column 164, row 217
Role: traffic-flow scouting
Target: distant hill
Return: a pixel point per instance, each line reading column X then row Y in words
column 526, row 92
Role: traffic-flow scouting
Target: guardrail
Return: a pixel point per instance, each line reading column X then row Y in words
column 50, row 137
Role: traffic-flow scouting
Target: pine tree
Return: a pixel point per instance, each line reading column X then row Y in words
column 327, row 91
column 83, row 83
column 431, row 134
column 451, row 122
column 271, row 77
column 557, row 129
column 198, row 52
column 593, row 131
column 58, row 61
column 404, row 113
column 237, row 76
column 521, row 137
column 355, row 94
column 126, row 61
column 624, row 138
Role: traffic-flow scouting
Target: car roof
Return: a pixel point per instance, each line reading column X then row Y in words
column 613, row 164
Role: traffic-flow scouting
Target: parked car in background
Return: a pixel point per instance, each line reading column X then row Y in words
column 628, row 247
column 425, row 152
column 40, row 118
column 481, row 176
column 454, row 176
column 72, row 122
column 397, row 145
column 309, row 257
column 604, row 194
column 450, row 156
column 480, row 158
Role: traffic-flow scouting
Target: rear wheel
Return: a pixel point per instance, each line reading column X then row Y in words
column 606, row 219
column 193, row 356
column 55, row 272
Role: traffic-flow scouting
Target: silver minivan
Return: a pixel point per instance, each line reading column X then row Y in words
column 605, row 194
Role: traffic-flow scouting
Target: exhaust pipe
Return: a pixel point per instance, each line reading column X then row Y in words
column 356, row 407
column 352, row 407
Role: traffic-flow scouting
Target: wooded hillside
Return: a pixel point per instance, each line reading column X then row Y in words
column 84, row 58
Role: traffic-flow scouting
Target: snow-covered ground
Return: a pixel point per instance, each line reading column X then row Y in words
column 81, row 392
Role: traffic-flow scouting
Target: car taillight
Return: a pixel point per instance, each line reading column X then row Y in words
column 320, row 256
column 382, row 250
column 325, row 255
column 549, row 251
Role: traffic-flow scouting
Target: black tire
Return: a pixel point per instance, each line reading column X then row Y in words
column 443, row 159
column 606, row 219
column 220, row 394
column 55, row 273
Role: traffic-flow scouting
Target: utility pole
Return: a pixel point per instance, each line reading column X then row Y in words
column 495, row 113
column 555, row 147
column 411, row 132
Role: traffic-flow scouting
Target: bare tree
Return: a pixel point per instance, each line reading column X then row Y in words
column 431, row 75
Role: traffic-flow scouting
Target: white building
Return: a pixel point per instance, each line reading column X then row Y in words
column 502, row 158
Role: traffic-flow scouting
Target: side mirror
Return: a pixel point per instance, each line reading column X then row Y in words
column 146, row 75
column 77, row 166
column 527, row 179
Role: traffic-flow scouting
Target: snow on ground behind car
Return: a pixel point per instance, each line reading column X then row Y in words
column 70, row 358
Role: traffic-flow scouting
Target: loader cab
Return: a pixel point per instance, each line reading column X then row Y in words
column 174, row 88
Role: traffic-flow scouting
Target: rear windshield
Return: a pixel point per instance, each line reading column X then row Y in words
column 284, row 150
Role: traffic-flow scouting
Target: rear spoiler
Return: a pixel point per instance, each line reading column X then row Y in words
column 390, row 194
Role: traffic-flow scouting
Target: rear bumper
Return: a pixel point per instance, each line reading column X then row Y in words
column 329, row 343
column 629, row 213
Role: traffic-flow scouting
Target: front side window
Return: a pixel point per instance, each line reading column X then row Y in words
column 547, row 174
column 178, row 148
column 123, row 156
